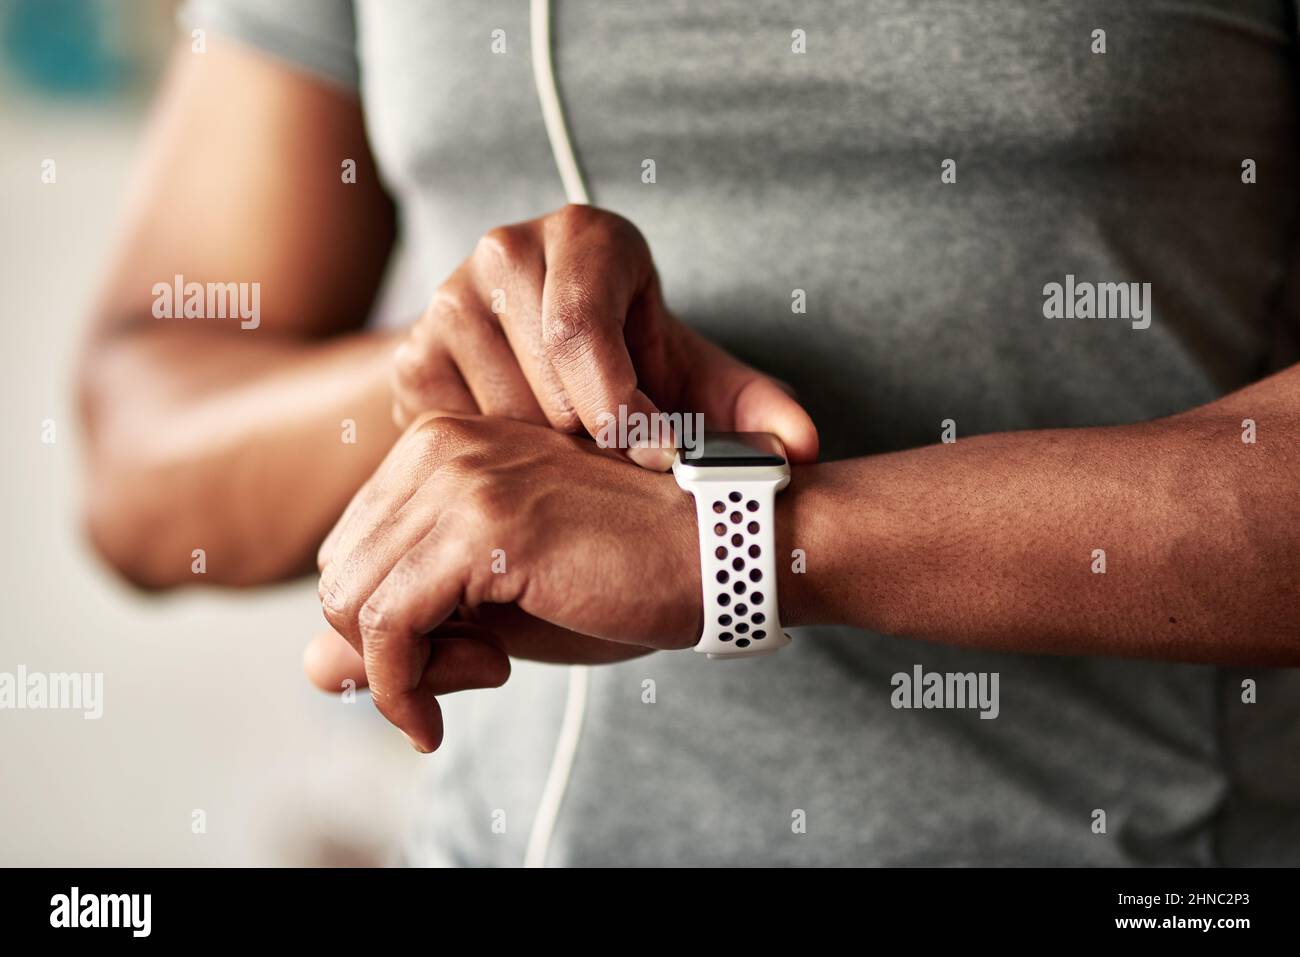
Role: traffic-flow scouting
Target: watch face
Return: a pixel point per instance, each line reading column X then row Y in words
column 733, row 449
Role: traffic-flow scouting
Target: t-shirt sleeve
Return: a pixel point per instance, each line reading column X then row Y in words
column 318, row 36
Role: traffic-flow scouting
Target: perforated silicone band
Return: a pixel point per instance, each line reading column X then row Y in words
column 738, row 568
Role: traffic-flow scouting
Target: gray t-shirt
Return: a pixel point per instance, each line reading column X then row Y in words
column 821, row 171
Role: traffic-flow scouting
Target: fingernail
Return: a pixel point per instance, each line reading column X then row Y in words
column 655, row 459
column 416, row 745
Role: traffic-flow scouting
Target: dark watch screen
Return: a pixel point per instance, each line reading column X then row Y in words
column 732, row 449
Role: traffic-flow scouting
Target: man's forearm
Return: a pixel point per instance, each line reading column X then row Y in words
column 998, row 541
column 237, row 444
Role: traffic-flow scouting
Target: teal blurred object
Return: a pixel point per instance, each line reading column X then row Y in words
column 63, row 46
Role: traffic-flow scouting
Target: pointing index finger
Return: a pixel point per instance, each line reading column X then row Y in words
column 593, row 276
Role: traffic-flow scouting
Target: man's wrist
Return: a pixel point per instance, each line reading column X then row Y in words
column 817, row 553
column 800, row 541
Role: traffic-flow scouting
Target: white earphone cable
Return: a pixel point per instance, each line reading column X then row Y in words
column 575, row 190
column 557, row 778
column 539, row 29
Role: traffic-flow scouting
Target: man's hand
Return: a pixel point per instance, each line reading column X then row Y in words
column 560, row 319
column 467, row 512
column 330, row 661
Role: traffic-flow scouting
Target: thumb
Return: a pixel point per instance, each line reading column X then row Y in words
column 464, row 657
column 735, row 397
column 329, row 661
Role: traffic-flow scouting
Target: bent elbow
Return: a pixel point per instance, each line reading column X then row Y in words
column 119, row 535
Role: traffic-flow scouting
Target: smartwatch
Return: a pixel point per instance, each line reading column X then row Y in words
column 734, row 477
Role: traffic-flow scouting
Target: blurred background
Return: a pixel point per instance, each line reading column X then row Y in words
column 205, row 706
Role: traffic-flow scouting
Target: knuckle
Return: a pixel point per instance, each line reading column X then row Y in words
column 501, row 245
column 568, row 325
column 374, row 620
column 335, row 603
column 416, row 384
column 559, row 411
column 441, row 442
column 410, row 365
column 576, row 217
column 452, row 305
column 406, row 359
column 601, row 224
column 444, row 434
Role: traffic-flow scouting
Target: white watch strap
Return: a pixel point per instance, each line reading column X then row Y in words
column 737, row 522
